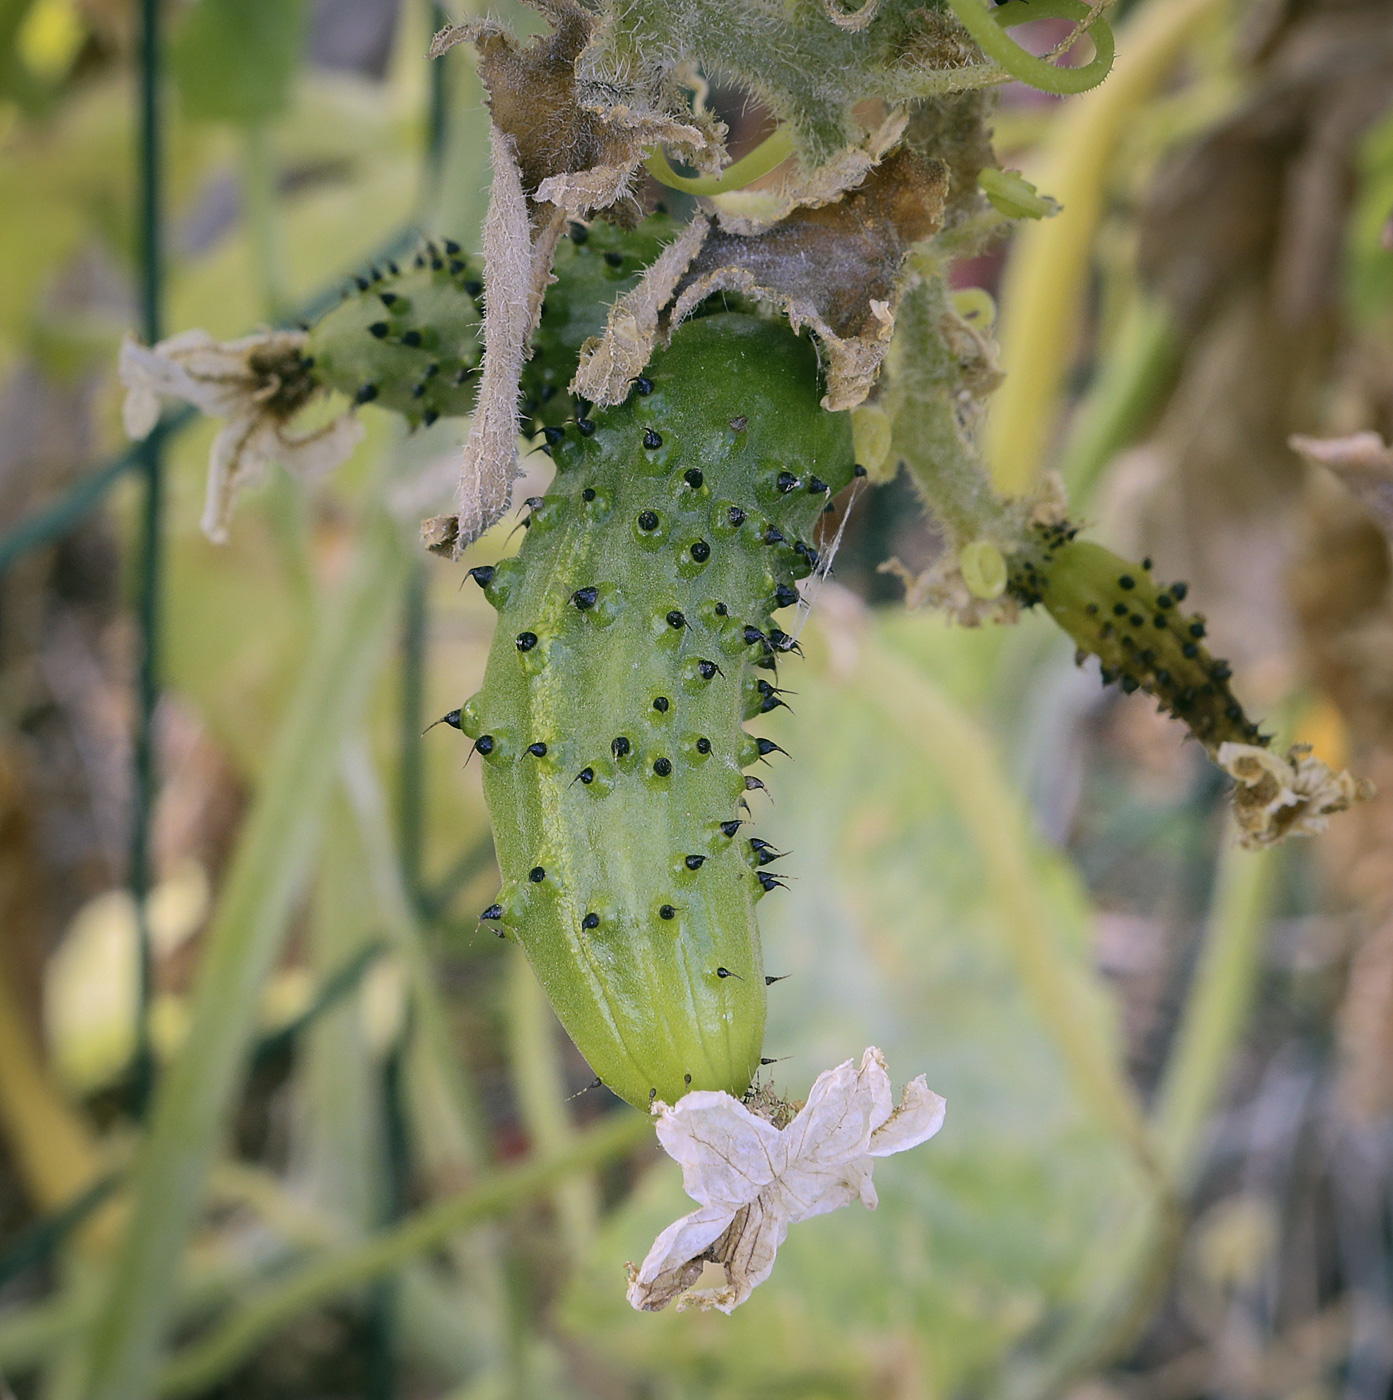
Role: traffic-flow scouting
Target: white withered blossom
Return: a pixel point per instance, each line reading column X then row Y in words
column 1279, row 797
column 755, row 1173
column 258, row 384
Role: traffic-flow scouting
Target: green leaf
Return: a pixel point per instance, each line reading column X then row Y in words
column 235, row 60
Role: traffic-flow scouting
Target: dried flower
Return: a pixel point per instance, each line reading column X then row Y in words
column 258, row 384
column 1281, row 797
column 755, row 1173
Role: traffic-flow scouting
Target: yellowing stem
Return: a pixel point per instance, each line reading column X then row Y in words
column 1043, row 289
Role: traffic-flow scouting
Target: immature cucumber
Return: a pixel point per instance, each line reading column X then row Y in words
column 1137, row 629
column 407, row 337
column 635, row 634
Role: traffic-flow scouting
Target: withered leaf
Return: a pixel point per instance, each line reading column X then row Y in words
column 533, row 98
column 838, row 268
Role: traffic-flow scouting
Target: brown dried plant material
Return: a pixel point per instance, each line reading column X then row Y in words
column 752, row 212
column 838, row 269
column 533, row 98
column 1364, row 463
column 1280, row 797
column 517, row 265
column 957, row 126
column 609, row 363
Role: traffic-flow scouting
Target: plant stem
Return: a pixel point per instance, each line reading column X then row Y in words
column 988, row 27
column 1216, row 1010
column 931, row 436
column 1043, row 291
column 207, row 1360
column 962, row 754
column 263, row 231
column 768, row 155
column 195, row 1100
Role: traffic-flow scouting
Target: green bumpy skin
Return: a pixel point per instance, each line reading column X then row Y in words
column 1135, row 627
column 406, row 339
column 635, row 635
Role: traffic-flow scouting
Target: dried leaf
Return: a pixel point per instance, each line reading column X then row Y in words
column 837, row 269
column 609, row 363
column 585, row 190
column 750, row 213
column 534, row 99
column 516, row 268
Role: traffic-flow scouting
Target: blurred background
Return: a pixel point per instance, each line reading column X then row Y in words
column 239, row 961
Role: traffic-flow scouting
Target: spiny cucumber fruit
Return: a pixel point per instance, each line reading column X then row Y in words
column 1135, row 627
column 407, row 338
column 635, row 635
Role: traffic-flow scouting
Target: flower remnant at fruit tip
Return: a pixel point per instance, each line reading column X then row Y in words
column 258, row 384
column 1281, row 797
column 756, row 1168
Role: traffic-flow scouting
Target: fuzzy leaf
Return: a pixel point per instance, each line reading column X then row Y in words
column 806, row 65
column 533, row 98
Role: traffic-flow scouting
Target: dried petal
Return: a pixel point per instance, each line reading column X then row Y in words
column 754, row 1180
column 1281, row 797
column 259, row 384
column 722, row 1148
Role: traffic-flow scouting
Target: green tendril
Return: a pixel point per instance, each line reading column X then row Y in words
column 770, row 152
column 989, row 29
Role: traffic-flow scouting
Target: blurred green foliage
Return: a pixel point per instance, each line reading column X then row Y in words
column 236, row 60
